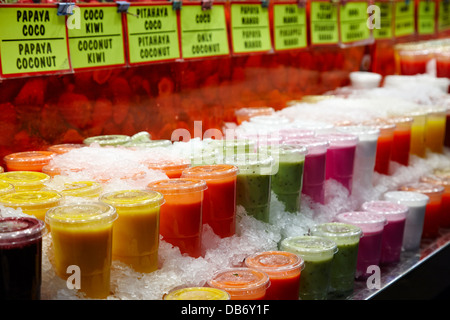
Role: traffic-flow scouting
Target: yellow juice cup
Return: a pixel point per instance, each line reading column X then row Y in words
column 418, row 126
column 25, row 180
column 82, row 189
column 82, row 238
column 34, row 203
column 136, row 231
column 197, row 293
column 435, row 130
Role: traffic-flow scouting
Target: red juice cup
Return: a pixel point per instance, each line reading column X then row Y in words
column 412, row 59
column 219, row 203
column 370, row 244
column 314, row 167
column 441, row 179
column 244, row 114
column 28, row 160
column 401, row 143
column 20, row 258
column 181, row 215
column 395, row 215
column 340, row 158
column 431, row 223
column 443, row 62
column 241, row 283
column 283, row 268
column 384, row 145
column 416, row 203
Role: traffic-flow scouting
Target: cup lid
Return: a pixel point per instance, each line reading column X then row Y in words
column 178, row 185
column 208, row 172
column 30, row 198
column 81, row 213
column 314, row 145
column 65, row 147
column 18, row 230
column 197, row 293
column 408, row 198
column 275, row 261
column 133, row 198
column 271, row 119
column 338, row 139
column 81, row 187
column 24, row 178
column 236, row 280
column 256, row 163
column 105, row 140
column 443, row 180
column 6, row 187
column 367, row 221
column 364, row 133
column 287, row 133
column 167, row 164
column 148, row 144
column 309, row 246
column 391, row 210
column 423, row 187
column 30, row 157
column 284, row 150
column 254, row 111
column 336, row 230
column 316, row 126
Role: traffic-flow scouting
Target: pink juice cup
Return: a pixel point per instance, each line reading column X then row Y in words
column 315, row 166
column 395, row 215
column 340, row 158
column 370, row 244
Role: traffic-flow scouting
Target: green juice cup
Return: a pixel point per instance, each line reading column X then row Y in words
column 253, row 183
column 287, row 180
column 318, row 254
column 346, row 237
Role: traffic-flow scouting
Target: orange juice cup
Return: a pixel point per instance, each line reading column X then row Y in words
column 241, row 283
column 435, row 130
column 82, row 237
column 197, row 293
column 443, row 180
column 172, row 168
column 136, row 231
column 25, row 180
column 283, row 269
column 401, row 144
column 181, row 215
column 219, row 203
column 384, row 147
column 34, row 203
column 82, row 189
column 418, row 146
column 65, row 147
column 28, row 160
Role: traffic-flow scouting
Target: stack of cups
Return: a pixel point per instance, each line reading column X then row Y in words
column 395, row 215
column 369, row 251
column 416, row 203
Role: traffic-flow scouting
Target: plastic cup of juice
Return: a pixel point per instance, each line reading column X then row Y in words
column 443, row 62
column 136, row 230
column 340, row 157
column 315, row 165
column 412, row 59
column 435, row 130
column 6, row 187
column 197, row 293
column 253, row 183
column 20, row 258
column 108, row 140
column 402, row 139
column 346, row 237
column 384, row 145
column 442, row 179
column 365, row 155
column 395, row 215
column 34, row 203
column 82, row 189
column 244, row 114
column 318, row 254
column 283, row 268
column 82, row 236
column 181, row 215
column 25, row 180
column 65, row 147
column 418, row 125
column 288, row 179
column 219, row 202
column 416, row 203
column 447, row 128
column 172, row 168
column 241, row 283
column 431, row 223
column 28, row 160
column 369, row 251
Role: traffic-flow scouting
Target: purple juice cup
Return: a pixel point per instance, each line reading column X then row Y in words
column 395, row 215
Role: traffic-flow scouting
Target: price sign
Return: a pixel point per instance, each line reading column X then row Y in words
column 426, row 17
column 324, row 23
column 353, row 20
column 444, row 16
column 404, row 19
column 384, row 30
column 289, row 26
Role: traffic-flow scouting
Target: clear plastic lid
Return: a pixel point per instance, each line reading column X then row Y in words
column 252, row 163
column 285, row 152
column 210, row 172
column 133, row 198
column 15, row 231
column 197, row 293
column 65, row 147
column 423, row 187
column 337, row 231
column 6, row 187
column 81, row 214
column 310, row 248
column 408, row 198
column 81, row 188
column 238, row 145
column 367, row 221
column 270, row 120
column 256, row 111
column 443, row 180
column 316, row 126
column 386, row 127
column 364, row 133
column 31, row 199
column 178, row 185
column 29, row 158
column 294, row 133
column 339, row 139
column 392, row 211
column 275, row 262
column 108, row 140
column 149, row 144
column 240, row 281
column 24, row 179
column 314, row 145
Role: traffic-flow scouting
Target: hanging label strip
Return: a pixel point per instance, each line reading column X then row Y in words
column 384, row 27
column 353, row 22
column 289, row 24
column 404, row 19
column 324, row 23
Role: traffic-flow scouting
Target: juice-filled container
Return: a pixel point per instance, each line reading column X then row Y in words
column 441, row 179
column 412, row 59
column 28, row 160
column 108, row 140
column 317, row 253
column 34, row 203
column 435, row 130
column 82, row 189
column 20, row 258
column 197, row 293
column 241, row 283
column 181, row 214
column 431, row 223
column 384, row 145
column 65, row 147
column 401, row 144
column 172, row 168
column 82, row 236
column 418, row 146
column 346, row 237
column 284, row 270
column 244, row 114
column 25, row 180
column 136, row 230
column 219, row 203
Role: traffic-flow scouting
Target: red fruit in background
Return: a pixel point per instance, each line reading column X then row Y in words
column 165, row 87
column 102, row 112
column 50, row 124
column 32, row 93
column 120, row 109
column 72, row 136
column 8, row 123
column 75, row 108
column 101, row 76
